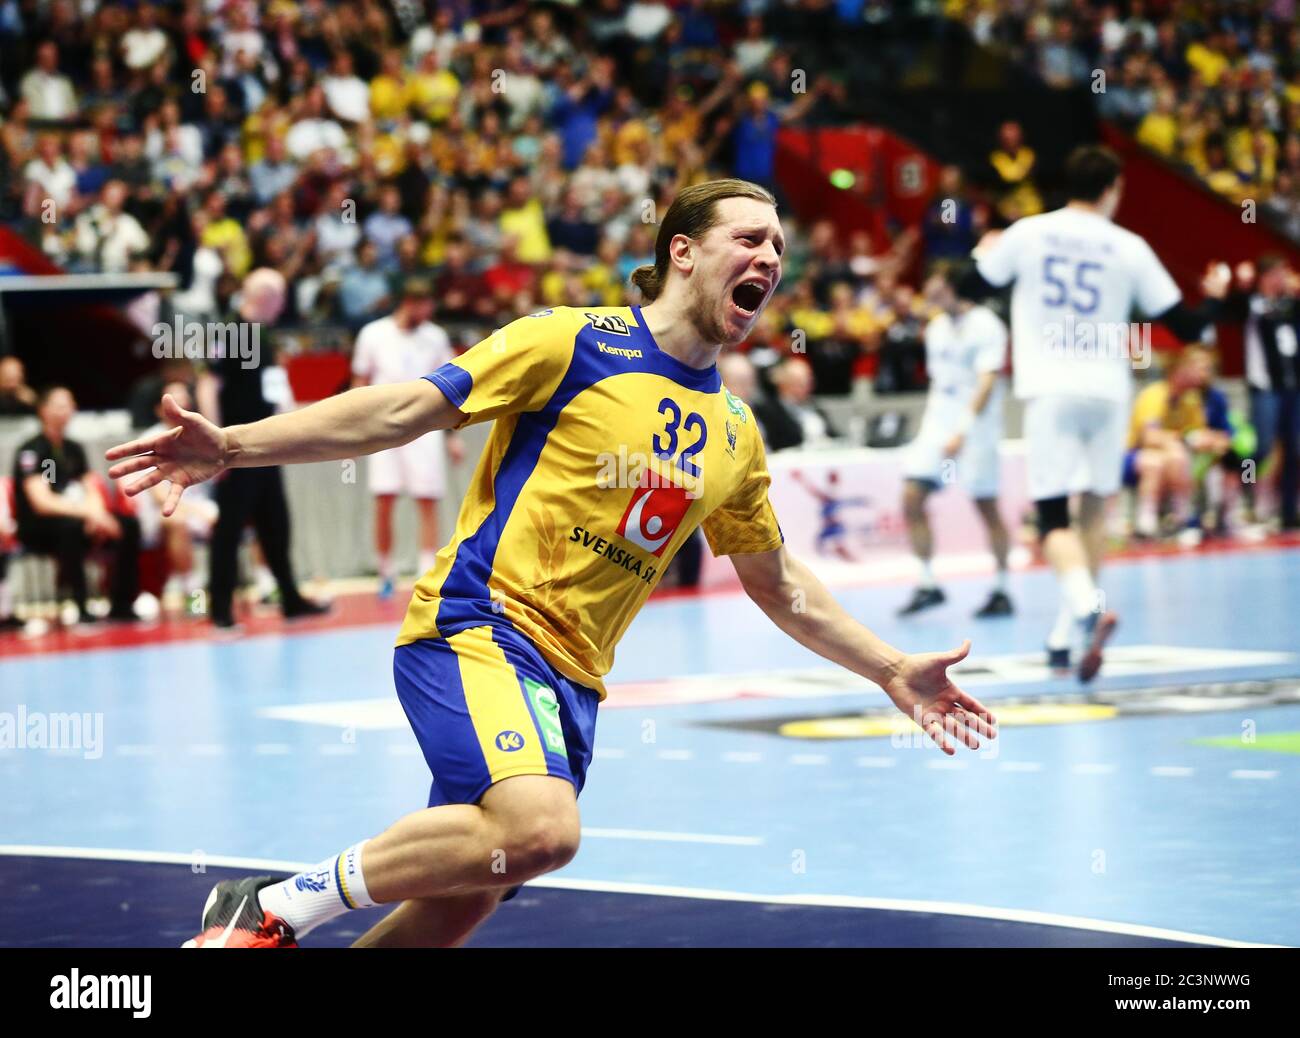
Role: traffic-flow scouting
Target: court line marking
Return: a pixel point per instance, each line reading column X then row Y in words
column 956, row 908
column 669, row 837
column 1247, row 773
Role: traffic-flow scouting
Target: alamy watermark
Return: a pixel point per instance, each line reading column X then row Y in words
column 24, row 730
column 183, row 339
column 1100, row 340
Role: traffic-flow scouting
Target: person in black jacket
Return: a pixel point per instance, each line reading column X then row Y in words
column 1266, row 303
column 791, row 419
column 250, row 496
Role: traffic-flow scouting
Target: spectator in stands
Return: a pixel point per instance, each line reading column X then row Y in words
column 523, row 220
column 902, row 344
column 177, row 533
column 17, row 398
column 107, row 236
column 62, row 510
column 49, row 176
column 386, row 226
column 364, row 293
column 274, row 173
column 1267, row 302
column 952, row 223
column 49, row 93
column 792, row 419
column 1013, row 164
column 346, row 94
column 145, row 42
column 314, row 131
column 1168, row 426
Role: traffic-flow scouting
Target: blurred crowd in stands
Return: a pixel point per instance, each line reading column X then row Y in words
column 518, row 155
column 1213, row 87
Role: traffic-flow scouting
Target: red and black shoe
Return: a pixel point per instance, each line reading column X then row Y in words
column 1097, row 629
column 233, row 918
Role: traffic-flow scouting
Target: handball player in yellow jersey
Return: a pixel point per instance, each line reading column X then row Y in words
column 500, row 662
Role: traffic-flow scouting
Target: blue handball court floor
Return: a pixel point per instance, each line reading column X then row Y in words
column 744, row 792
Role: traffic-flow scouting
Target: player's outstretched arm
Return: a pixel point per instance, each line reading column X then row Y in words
column 360, row 421
column 798, row 603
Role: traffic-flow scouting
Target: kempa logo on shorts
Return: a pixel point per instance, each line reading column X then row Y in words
column 73, row 991
column 509, row 741
column 611, row 323
column 38, row 731
column 209, row 340
column 546, row 708
column 618, row 351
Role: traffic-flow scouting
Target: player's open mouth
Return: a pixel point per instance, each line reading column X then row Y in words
column 748, row 296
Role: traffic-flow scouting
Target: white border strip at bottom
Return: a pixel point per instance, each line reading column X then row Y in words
column 955, row 908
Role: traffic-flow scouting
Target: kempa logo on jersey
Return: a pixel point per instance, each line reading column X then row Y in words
column 509, row 741
column 73, row 991
column 618, row 351
column 611, row 323
column 208, row 340
column 1072, row 339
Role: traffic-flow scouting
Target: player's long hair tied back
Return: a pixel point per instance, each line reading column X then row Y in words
column 692, row 213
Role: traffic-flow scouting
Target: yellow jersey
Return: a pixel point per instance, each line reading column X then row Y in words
column 606, row 455
column 1153, row 408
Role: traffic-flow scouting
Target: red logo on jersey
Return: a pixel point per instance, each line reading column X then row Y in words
column 653, row 515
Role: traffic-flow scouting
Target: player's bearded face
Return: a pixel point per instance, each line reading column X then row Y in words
column 738, row 269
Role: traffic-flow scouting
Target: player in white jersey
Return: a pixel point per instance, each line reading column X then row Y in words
column 965, row 352
column 398, row 348
column 957, row 441
column 1077, row 280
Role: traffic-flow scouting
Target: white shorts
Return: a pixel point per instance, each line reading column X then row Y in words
column 1075, row 444
column 417, row 468
column 975, row 469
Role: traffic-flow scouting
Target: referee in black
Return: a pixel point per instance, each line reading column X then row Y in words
column 253, row 495
column 1266, row 303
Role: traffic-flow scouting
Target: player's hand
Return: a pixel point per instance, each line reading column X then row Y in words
column 922, row 689
column 953, row 447
column 1217, row 280
column 191, row 451
column 987, row 242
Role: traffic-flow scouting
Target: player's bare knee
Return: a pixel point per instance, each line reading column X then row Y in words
column 541, row 845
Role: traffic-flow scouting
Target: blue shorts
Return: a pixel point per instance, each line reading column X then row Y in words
column 1130, row 468
column 486, row 706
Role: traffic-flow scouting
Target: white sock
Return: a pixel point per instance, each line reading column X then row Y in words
column 1063, row 631
column 192, row 582
column 1147, row 523
column 927, row 574
column 1080, row 591
column 385, row 567
column 172, row 587
column 1000, row 581
column 6, row 600
column 320, row 894
column 263, row 580
column 427, row 557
